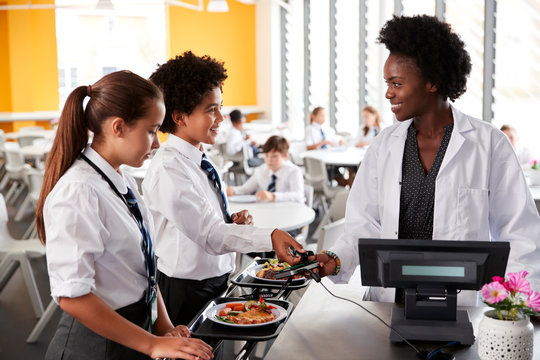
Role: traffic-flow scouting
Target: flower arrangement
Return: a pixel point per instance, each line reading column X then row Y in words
column 512, row 296
column 534, row 165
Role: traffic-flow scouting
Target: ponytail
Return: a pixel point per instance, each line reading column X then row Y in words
column 71, row 138
column 119, row 94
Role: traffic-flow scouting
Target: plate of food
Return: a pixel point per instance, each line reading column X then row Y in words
column 250, row 313
column 266, row 272
column 242, row 198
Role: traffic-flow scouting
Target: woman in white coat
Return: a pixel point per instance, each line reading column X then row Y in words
column 437, row 173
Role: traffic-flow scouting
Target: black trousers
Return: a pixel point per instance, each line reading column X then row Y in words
column 185, row 298
column 73, row 340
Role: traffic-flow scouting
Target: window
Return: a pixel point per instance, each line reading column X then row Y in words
column 95, row 39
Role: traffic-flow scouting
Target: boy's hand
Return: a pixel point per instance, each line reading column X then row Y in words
column 281, row 241
column 229, row 191
column 242, row 218
column 263, row 195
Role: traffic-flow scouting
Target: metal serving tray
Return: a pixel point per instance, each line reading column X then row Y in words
column 202, row 327
column 244, row 279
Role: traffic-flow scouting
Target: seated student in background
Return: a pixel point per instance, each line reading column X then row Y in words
column 317, row 137
column 277, row 179
column 237, row 139
column 371, row 128
column 436, row 174
column 523, row 154
column 98, row 231
column 196, row 236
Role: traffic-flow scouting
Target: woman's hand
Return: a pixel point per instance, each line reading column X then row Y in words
column 327, row 265
column 229, row 191
column 263, row 195
column 180, row 347
column 242, row 218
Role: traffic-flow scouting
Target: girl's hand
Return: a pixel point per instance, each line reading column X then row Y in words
column 180, row 347
column 230, row 191
column 179, row 331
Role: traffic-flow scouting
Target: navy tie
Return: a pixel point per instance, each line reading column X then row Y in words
column 214, row 177
column 146, row 246
column 324, row 138
column 272, row 186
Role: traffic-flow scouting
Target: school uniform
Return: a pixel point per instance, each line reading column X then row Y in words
column 94, row 246
column 195, row 245
column 288, row 183
column 315, row 134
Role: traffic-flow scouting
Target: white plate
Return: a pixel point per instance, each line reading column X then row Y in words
column 242, row 198
column 252, row 271
column 279, row 314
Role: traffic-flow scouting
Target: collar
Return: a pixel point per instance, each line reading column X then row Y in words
column 185, row 148
column 116, row 178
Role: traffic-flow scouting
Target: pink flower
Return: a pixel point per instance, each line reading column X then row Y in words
column 533, row 301
column 494, row 292
column 498, row 279
column 517, row 283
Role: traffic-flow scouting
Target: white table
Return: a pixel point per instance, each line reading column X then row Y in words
column 339, row 156
column 323, row 327
column 277, row 215
column 46, row 134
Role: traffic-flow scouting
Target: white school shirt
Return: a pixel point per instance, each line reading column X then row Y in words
column 235, row 141
column 372, row 132
column 480, row 194
column 192, row 239
column 289, row 182
column 313, row 135
column 93, row 241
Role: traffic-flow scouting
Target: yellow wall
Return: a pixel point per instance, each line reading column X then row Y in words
column 229, row 37
column 29, row 61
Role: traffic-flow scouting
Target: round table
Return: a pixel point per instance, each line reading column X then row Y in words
column 339, row 156
column 284, row 215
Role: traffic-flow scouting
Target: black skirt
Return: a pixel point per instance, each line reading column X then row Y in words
column 73, row 340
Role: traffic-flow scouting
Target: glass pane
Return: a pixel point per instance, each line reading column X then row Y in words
column 517, row 68
column 416, row 7
column 467, row 19
column 92, row 36
column 319, row 49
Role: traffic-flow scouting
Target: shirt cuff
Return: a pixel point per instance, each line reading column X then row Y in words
column 71, row 289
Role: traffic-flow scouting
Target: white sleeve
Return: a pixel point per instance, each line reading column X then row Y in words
column 513, row 215
column 190, row 212
column 74, row 242
column 251, row 186
column 309, row 139
column 234, row 142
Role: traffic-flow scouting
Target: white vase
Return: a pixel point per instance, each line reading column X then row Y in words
column 534, row 177
column 505, row 339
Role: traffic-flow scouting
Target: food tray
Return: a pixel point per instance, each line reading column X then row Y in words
column 202, row 327
column 244, row 279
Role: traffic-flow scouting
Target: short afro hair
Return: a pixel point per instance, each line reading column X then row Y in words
column 438, row 52
column 236, row 116
column 185, row 81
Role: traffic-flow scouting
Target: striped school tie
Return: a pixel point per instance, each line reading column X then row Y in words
column 146, row 246
column 214, row 177
column 272, row 186
column 324, row 138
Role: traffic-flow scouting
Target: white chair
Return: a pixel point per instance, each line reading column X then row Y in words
column 317, row 176
column 17, row 253
column 14, row 171
column 34, row 181
column 335, row 212
column 330, row 233
column 295, row 149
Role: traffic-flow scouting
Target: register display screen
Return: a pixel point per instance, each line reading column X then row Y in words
column 450, row 271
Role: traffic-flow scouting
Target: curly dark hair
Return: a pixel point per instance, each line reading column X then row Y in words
column 437, row 50
column 185, row 81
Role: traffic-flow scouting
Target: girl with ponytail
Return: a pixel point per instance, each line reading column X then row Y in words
column 98, row 231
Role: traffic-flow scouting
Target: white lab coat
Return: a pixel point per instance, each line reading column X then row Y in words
column 480, row 194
